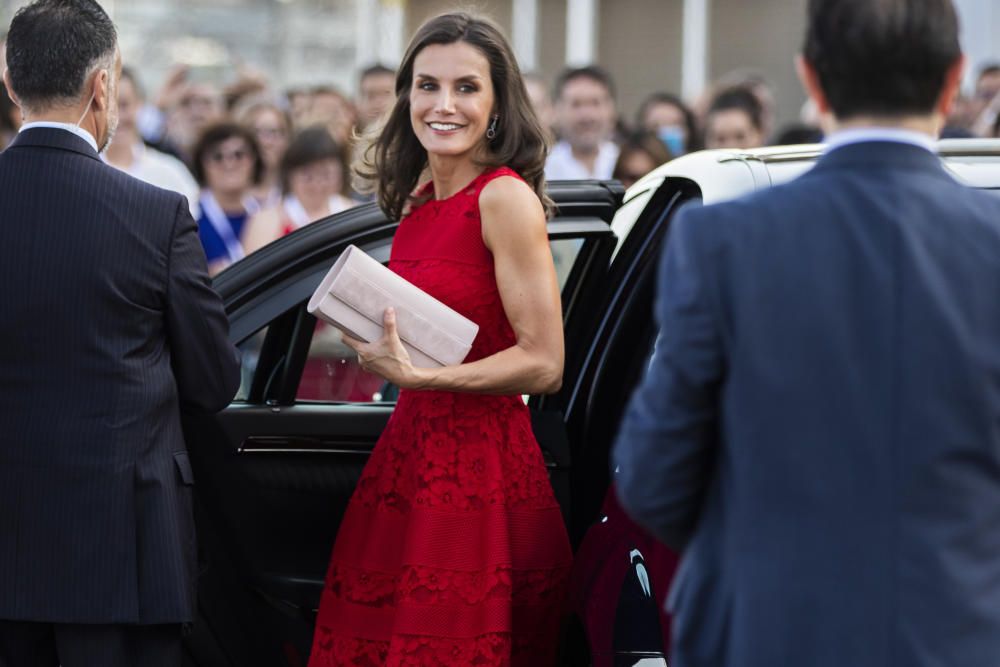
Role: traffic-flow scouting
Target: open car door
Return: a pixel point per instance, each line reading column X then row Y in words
column 275, row 470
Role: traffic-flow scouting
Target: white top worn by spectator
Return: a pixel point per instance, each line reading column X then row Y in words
column 561, row 165
column 164, row 171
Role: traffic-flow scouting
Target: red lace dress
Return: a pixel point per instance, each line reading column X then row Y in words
column 453, row 550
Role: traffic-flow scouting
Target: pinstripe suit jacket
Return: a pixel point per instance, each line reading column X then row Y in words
column 109, row 328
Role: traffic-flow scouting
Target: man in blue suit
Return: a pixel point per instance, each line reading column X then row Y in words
column 819, row 427
column 109, row 328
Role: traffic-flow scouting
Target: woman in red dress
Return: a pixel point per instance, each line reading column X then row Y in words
column 453, row 550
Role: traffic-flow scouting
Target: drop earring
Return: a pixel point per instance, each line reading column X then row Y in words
column 491, row 131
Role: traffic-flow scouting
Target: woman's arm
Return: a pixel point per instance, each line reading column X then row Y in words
column 513, row 223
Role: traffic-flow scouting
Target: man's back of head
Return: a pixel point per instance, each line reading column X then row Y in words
column 882, row 58
column 52, row 46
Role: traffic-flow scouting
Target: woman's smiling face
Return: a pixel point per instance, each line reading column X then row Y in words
column 451, row 99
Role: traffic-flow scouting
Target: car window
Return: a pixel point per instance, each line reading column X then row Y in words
column 332, row 372
column 249, row 355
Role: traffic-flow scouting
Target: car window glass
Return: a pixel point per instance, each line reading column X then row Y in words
column 564, row 254
column 249, row 354
column 332, row 372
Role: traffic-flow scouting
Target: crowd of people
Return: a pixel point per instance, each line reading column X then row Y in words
column 256, row 163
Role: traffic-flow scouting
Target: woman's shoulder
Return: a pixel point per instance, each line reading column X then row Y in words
column 509, row 206
column 496, row 173
column 504, row 187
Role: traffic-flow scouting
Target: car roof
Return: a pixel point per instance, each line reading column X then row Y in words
column 726, row 174
column 721, row 175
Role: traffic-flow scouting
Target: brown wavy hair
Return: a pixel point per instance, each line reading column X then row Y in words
column 394, row 158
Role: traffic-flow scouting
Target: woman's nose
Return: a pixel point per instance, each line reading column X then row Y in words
column 445, row 102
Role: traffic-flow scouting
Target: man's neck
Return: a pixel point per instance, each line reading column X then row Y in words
column 586, row 156
column 66, row 116
column 924, row 124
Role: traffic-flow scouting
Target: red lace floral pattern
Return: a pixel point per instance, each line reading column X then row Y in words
column 453, row 550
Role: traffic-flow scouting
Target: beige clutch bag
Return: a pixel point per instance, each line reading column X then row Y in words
column 355, row 293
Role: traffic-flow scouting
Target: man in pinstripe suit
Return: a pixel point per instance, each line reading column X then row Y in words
column 109, row 329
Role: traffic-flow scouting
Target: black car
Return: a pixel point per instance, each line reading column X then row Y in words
column 275, row 469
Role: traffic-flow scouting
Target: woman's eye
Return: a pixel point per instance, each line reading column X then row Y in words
column 427, row 85
column 467, row 88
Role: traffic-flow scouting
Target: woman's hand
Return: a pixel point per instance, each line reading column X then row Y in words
column 386, row 357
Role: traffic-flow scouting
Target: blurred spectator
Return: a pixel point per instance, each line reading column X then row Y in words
column 227, row 164
column 759, row 87
column 640, row 154
column 585, row 120
column 734, row 120
column 376, row 93
column 128, row 152
column 299, row 100
column 671, row 120
column 10, row 118
column 985, row 103
column 538, row 93
column 272, row 127
column 798, row 133
column 330, row 107
column 198, row 106
column 961, row 116
column 312, row 179
column 250, row 83
column 953, row 132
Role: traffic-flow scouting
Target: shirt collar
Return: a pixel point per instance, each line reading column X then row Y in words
column 75, row 129
column 861, row 134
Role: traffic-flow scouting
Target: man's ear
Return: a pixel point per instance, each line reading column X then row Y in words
column 101, row 86
column 810, row 81
column 10, row 88
column 951, row 87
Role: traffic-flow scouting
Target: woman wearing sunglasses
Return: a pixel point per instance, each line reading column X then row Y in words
column 227, row 165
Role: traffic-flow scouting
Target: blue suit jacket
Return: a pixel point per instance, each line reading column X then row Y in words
column 819, row 427
column 108, row 329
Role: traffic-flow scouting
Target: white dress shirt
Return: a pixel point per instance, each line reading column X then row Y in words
column 862, row 134
column 561, row 165
column 69, row 127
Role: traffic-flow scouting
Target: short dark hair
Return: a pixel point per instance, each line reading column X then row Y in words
column 740, row 99
column 376, row 70
column 215, row 134
column 308, row 146
column 592, row 72
column 884, row 57
column 52, row 46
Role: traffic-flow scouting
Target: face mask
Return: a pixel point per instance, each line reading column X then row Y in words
column 672, row 137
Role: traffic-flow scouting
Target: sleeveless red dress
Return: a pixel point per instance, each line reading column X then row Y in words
column 453, row 550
